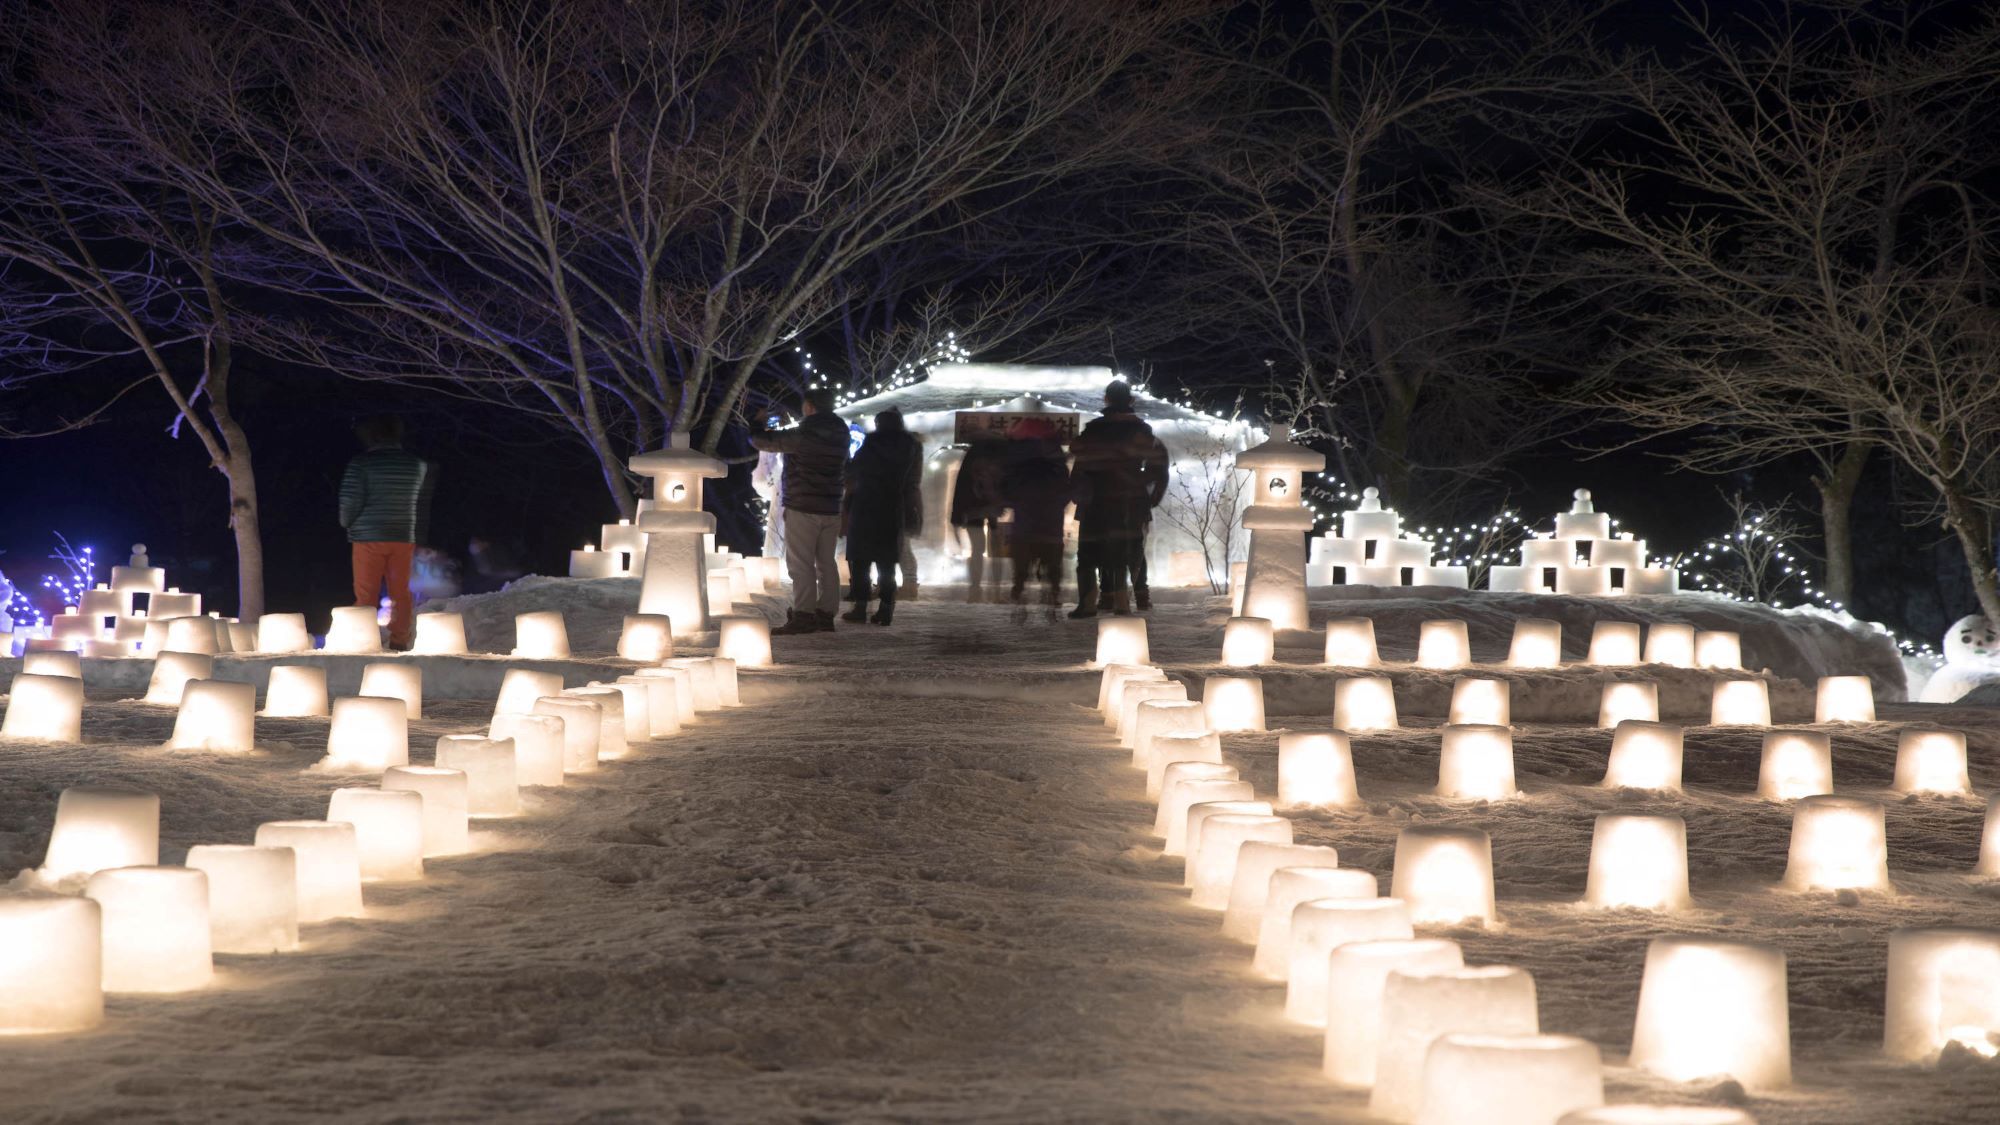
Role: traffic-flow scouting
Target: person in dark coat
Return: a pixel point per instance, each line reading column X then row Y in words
column 884, row 504
column 385, row 505
column 976, row 507
column 1035, row 482
column 809, row 490
column 1120, row 474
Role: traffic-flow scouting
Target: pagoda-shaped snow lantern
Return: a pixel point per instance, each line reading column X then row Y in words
column 1583, row 556
column 676, row 574
column 1274, row 580
column 1373, row 550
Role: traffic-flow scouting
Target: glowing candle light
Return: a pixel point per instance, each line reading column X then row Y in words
column 1356, row 973
column 296, row 691
column 191, row 634
column 156, row 929
column 1509, row 1079
column 171, row 673
column 538, row 746
column 1198, row 815
column 1121, row 640
column 1670, row 643
column 1638, row 863
column 1419, row 1007
column 1323, row 927
column 1212, row 870
column 100, row 828
column 328, row 858
column 1476, row 763
column 683, row 685
column 439, row 634
column 49, row 708
column 630, row 708
column 216, row 716
column 64, row 664
column 1132, row 698
column 1795, row 764
column 1944, row 988
column 1487, row 702
column 367, row 733
column 283, row 632
column 1614, row 644
column 1537, row 643
column 1181, row 792
column 1364, row 703
column 583, row 722
column 520, row 688
column 1657, row 1115
column 1740, row 703
column 1248, row 642
column 353, row 629
column 1989, row 842
column 1291, row 886
column 446, row 798
column 663, row 716
column 541, row 635
column 1838, row 844
column 1350, row 643
column 746, row 640
column 1233, row 703
column 1110, row 682
column 1713, row 1008
column 253, row 897
column 1630, row 700
column 1844, row 699
column 388, row 830
column 492, row 788
column 52, row 977
column 1717, row 649
column 1176, row 772
column 1157, row 718
column 1250, row 886
column 1443, row 644
column 1445, row 874
column 649, row 638
column 1931, row 761
column 1644, row 755
column 701, row 674
column 1316, row 768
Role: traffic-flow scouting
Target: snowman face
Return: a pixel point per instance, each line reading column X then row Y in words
column 1972, row 638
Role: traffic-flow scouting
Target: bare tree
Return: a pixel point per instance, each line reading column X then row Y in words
column 1758, row 559
column 1205, row 500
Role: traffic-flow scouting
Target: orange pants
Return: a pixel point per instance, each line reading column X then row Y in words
column 387, row 564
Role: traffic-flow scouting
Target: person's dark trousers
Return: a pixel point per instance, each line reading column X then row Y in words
column 885, row 584
column 1087, row 554
column 1135, row 563
column 859, row 590
column 1028, row 556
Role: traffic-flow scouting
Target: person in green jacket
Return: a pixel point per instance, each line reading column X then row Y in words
column 385, row 500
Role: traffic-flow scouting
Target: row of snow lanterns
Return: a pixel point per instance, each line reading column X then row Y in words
column 1248, row 642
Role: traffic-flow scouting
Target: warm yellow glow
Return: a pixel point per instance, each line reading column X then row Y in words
column 1158, row 718
column 1136, row 695
column 328, row 856
column 1486, row 702
column 1537, row 644
column 1211, row 871
column 1944, row 987
column 1121, row 640
column 100, row 828
column 701, row 676
column 49, row 708
column 296, row 691
column 1233, row 703
column 1713, row 1008
column 1418, row 1007
column 1931, row 761
column 64, row 664
column 682, row 681
column 439, row 634
column 1443, row 644
column 1844, row 699
column 632, row 708
column 1322, row 928
column 51, row 974
column 1796, row 763
column 171, row 673
column 491, row 785
column 283, row 632
column 367, row 734
column 1740, row 703
column 746, row 640
column 1638, row 863
column 1289, row 887
column 725, row 680
column 1614, row 643
column 1657, row 1115
column 1670, row 644
column 190, row 634
column 1250, row 887
column 1198, row 815
column 583, row 723
column 1989, row 841
column 1838, row 844
column 1111, row 681
column 1537, row 1077
column 156, row 930
column 1364, row 703
column 253, row 897
column 663, row 717
column 388, row 830
column 446, row 797
column 1316, row 768
column 1476, row 763
column 1247, row 642
column 1644, row 755
column 1356, row 972
column 1627, row 701
column 353, row 629
column 541, row 635
column 647, row 638
column 520, row 688
column 1445, row 874
column 538, row 746
column 216, row 716
column 1350, row 643
column 1717, row 649
column 1182, row 790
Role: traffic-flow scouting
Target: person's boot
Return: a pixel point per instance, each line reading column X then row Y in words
column 908, row 591
column 797, row 623
column 1142, row 598
column 975, row 594
column 885, row 615
column 859, row 614
column 1121, row 603
column 823, row 622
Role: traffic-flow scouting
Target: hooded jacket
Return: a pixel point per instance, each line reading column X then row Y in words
column 815, row 455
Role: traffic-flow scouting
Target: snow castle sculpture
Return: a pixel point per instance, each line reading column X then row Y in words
column 676, row 566
column 1582, row 556
column 1371, row 549
column 1274, row 579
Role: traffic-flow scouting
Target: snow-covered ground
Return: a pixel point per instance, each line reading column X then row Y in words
column 912, row 880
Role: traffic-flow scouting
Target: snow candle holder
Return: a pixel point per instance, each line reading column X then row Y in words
column 1250, row 887
column 395, row 681
column 283, row 632
column 1122, row 640
column 1198, row 816
column 1838, row 844
column 171, row 673
column 1740, row 703
column 52, row 978
column 1179, row 794
column 1212, row 871
column 1109, row 681
column 746, row 640
column 1536, row 1077
column 1357, row 972
column 1364, row 703
column 583, row 721
column 1796, row 763
column 1248, row 642
column 353, row 629
column 1476, row 763
column 1628, row 700
column 1290, row 887
column 646, row 637
column 1322, row 926
column 1671, row 644
column 1177, row 772
column 388, row 830
column 97, row 829
column 253, row 897
column 191, row 634
column 1137, row 695
column 1931, row 761
column 1614, row 644
column 635, row 714
column 1233, row 703
column 492, row 787
column 328, row 856
column 64, row 664
column 439, row 634
column 1157, row 718
column 1481, row 701
column 367, row 733
column 156, row 929
column 1350, row 643
column 1657, row 1115
column 296, row 691
column 1445, row 875
column 445, row 794
column 1718, row 649
column 538, row 746
column 1316, row 769
column 1417, row 1008
column 1944, row 988
column 1989, row 842
column 1644, row 755
column 44, row 707
column 1537, row 643
column 1712, row 1008
column 1638, row 863
column 663, row 713
column 702, row 678
column 218, row 716
column 1844, row 699
column 541, row 635
column 1443, row 644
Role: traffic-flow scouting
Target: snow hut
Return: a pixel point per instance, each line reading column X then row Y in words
column 1372, row 549
column 1583, row 556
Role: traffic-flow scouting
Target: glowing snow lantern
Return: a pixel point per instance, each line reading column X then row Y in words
column 446, row 797
column 296, row 691
column 1714, row 1008
column 1476, row 763
column 1212, row 870
column 589, row 562
column 647, row 638
column 1178, row 795
column 1233, row 703
column 1638, row 863
column 663, row 713
column 44, row 707
column 1121, row 640
column 1671, row 644
column 1657, row 1115
column 701, row 674
column 171, row 673
column 1291, row 886
column 367, row 732
column 1321, row 927
column 1418, row 1008
column 1509, row 1079
column 520, row 688
column 1740, row 703
column 218, row 716
column 1989, row 841
column 1718, row 649
column 746, row 640
column 328, row 857
column 439, row 634
column 624, row 717
column 388, row 829
column 253, row 897
column 1944, row 987
column 1350, row 643
column 1931, row 761
column 1443, row 644
column 491, row 785
column 541, row 635
column 682, row 682
column 1485, row 702
column 1137, row 695
column 1796, row 763
column 676, row 577
column 1188, row 769
column 1356, row 974
column 1614, row 643
column 1250, row 886
column 1198, row 816
column 1844, row 699
column 1364, row 703
column 1445, row 874
column 100, row 828
column 190, row 634
column 64, row 664
column 353, row 629
column 1247, row 642
column 1158, row 718
column 1537, row 643
column 719, row 592
column 725, row 681
column 1838, row 844
column 156, row 929
column 1316, row 768
column 1628, row 700
column 1274, row 575
column 583, row 722
column 538, row 746
column 1644, row 755
column 1111, row 681
column 52, row 973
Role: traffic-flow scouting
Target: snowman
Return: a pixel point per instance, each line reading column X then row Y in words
column 1971, row 658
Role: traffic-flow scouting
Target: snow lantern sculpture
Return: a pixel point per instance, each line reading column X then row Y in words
column 1121, row 640
column 1192, row 742
column 1740, row 703
column 1537, row 643
column 1944, row 988
column 1718, row 648
column 663, row 710
column 541, row 635
column 1179, row 794
column 1989, row 842
column 1198, row 815
column 283, row 632
column 589, row 562
column 583, row 723
column 1582, row 556
column 1476, row 763
column 520, row 688
column 328, row 859
column 388, row 830
column 538, row 746
column 1193, row 769
column 1480, row 701
column 446, row 799
column 1670, row 643
column 1838, row 844
column 1248, row 642
column 1796, row 764
column 1233, row 703
column 682, row 683
column 1137, row 695
column 296, row 691
column 1712, row 1008
column 1445, row 874
column 1350, row 643
column 726, row 686
column 439, row 634
column 1211, row 871
column 1316, row 770
column 1443, row 644
column 1844, row 699
column 1657, row 1115
column 1644, row 755
column 1419, row 1007
column 1638, row 863
column 49, row 708
column 64, row 664
column 492, row 787
column 1372, row 549
column 1274, row 577
column 52, row 978
column 646, row 637
column 136, row 582
column 190, row 634
column 1536, row 1078
column 1250, row 888
column 1111, row 681
column 100, row 828
column 1320, row 928
column 1364, row 703
column 1614, row 644
column 216, row 715
column 367, row 734
column 156, row 928
column 746, row 640
column 625, row 711
column 1628, row 701
column 1356, row 974
column 623, row 553
column 253, row 896
column 676, row 575
column 1931, row 761
column 1290, row 887
column 703, row 677
column 171, row 673
column 354, row 629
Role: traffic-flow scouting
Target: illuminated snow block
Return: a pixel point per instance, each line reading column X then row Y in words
column 439, row 634
column 191, row 634
column 719, row 594
column 1714, row 1008
column 626, row 545
column 1158, row 718
column 1233, row 703
column 1212, row 870
column 746, row 640
column 218, row 716
column 171, row 673
column 647, row 638
column 242, row 636
column 1250, row 886
column 1657, row 1115
column 683, row 685
column 701, row 675
column 1274, row 574
column 1321, row 927
column 1638, row 863
column 1445, row 875
column 1316, row 768
column 1717, row 649
column 367, row 733
column 52, row 973
column 1290, row 887
column 328, row 857
column 154, row 635
column 663, row 712
column 725, row 681
column 1476, row 763
column 100, row 828
column 1537, row 643
column 492, row 787
column 445, row 795
column 520, row 688
column 1187, row 769
column 1418, row 1008
column 1350, row 643
column 1614, row 644
column 1509, row 1079
column 1198, row 816
column 253, row 897
column 541, row 635
column 296, row 691
column 676, row 569
column 1844, row 699
column 388, row 830
column 1931, row 761
column 1628, row 701
column 1838, row 844
column 1356, row 974
column 1111, row 686
column 1944, row 987
column 1796, row 763
column 353, row 629
column 156, row 928
column 283, row 632
column 1740, row 703
column 1644, row 755
column 1121, row 640
column 1247, row 642
column 538, row 746
column 1486, row 702
column 1135, row 695
column 589, row 562
column 625, row 715
column 1178, row 795
column 1364, row 703
column 583, row 722
column 64, row 664
column 70, row 630
column 1443, row 644
column 1989, row 842
column 49, row 708
column 1670, row 643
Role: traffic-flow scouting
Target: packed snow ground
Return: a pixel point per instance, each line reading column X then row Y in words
column 912, row 880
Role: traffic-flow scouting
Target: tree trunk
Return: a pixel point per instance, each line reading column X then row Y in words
column 1975, row 538
column 245, row 522
column 615, row 481
column 1836, row 510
